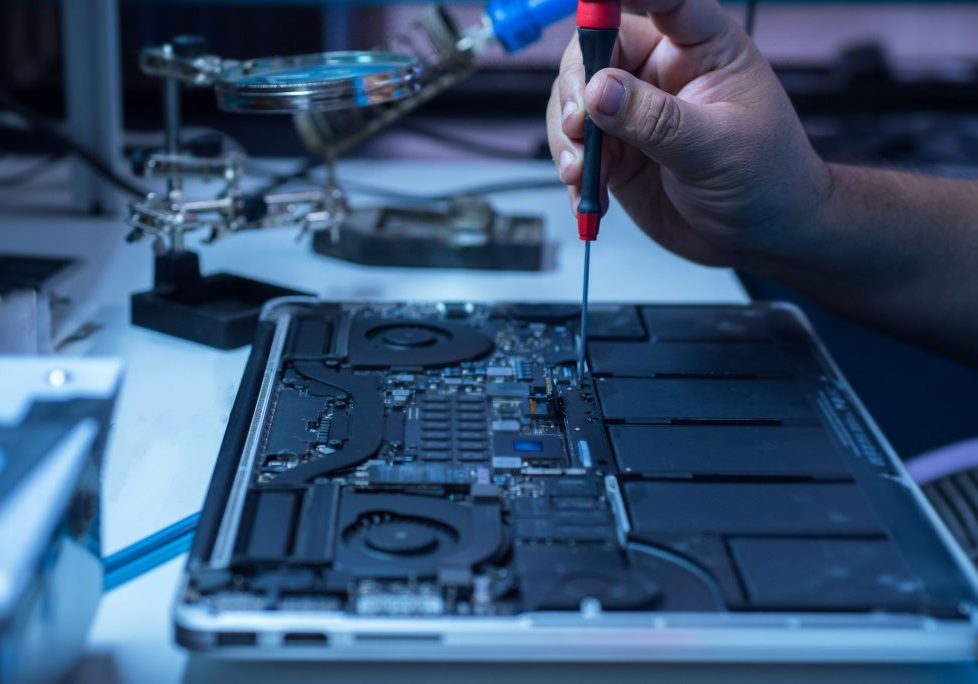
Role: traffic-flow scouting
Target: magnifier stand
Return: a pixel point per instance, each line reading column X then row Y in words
column 336, row 99
column 219, row 310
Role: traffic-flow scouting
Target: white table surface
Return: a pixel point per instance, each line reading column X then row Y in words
column 177, row 396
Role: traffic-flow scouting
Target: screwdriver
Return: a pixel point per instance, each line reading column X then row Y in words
column 597, row 31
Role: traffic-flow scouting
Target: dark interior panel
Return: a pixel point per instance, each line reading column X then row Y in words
column 736, row 508
column 688, row 324
column 822, row 574
column 687, row 358
column 615, row 322
column 310, row 336
column 269, row 536
column 762, row 450
column 660, row 399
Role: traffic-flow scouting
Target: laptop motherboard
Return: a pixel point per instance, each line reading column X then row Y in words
column 447, row 460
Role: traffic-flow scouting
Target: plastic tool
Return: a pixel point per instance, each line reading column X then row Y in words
column 597, row 31
column 518, row 23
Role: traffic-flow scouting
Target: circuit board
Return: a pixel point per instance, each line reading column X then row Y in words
column 447, row 460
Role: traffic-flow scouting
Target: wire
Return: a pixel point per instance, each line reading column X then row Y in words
column 31, row 172
column 750, row 16
column 465, row 143
column 690, row 566
column 276, row 181
column 149, row 553
column 260, row 170
column 36, row 122
column 943, row 462
column 487, row 189
column 188, row 134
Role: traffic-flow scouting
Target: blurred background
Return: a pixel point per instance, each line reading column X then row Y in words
column 875, row 83
column 834, row 57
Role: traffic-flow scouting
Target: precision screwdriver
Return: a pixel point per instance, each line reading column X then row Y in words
column 597, row 31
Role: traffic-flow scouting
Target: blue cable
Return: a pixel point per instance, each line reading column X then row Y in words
column 147, row 554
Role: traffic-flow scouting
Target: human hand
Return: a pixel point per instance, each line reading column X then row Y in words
column 703, row 148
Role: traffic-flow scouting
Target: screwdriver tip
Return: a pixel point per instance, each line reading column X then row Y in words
column 582, row 351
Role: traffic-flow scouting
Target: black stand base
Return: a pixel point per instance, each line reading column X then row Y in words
column 429, row 238
column 219, row 310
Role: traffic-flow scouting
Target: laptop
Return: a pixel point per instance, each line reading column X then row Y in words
column 436, row 481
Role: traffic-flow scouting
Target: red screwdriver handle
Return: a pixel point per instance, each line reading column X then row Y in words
column 597, row 31
column 598, row 14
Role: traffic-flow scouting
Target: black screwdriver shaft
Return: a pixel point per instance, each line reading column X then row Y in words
column 596, row 48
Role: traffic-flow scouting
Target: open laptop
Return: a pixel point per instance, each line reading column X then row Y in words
column 434, row 481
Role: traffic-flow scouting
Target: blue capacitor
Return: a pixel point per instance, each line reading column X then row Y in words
column 517, row 23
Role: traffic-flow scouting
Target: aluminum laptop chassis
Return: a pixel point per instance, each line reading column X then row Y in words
column 434, row 482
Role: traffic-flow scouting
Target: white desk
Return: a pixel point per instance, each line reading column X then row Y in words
column 177, row 397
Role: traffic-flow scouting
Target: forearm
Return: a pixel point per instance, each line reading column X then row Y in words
column 895, row 250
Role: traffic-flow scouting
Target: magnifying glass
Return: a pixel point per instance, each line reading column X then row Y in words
column 318, row 82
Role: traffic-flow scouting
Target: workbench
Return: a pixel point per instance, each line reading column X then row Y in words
column 177, row 395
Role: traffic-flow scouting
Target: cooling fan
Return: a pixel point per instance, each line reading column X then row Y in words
column 388, row 536
column 380, row 343
column 396, row 536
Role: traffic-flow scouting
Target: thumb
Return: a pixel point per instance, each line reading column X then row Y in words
column 671, row 131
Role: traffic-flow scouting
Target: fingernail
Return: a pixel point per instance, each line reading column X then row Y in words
column 566, row 160
column 612, row 97
column 570, row 108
